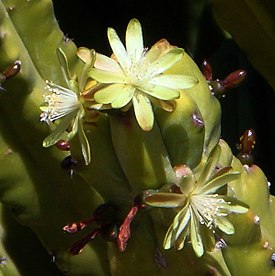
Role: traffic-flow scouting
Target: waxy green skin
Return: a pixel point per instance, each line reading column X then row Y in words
column 125, row 161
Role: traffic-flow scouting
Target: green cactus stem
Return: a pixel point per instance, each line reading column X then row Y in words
column 116, row 163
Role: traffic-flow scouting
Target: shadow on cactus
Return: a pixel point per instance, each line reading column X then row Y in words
column 135, row 171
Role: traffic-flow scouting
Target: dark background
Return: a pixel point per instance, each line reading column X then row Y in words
column 188, row 24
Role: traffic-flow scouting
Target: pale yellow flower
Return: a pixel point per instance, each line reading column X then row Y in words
column 136, row 76
column 201, row 210
column 64, row 112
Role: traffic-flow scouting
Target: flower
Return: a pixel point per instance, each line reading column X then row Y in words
column 135, row 76
column 64, row 111
column 202, row 209
column 61, row 102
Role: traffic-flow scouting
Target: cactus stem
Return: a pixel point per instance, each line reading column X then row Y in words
column 125, row 117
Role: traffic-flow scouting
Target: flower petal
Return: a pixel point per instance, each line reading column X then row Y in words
column 179, row 243
column 214, row 184
column 195, row 236
column 108, row 94
column 209, row 167
column 118, row 49
column 105, row 63
column 85, row 54
column 183, row 221
column 232, row 205
column 166, row 200
column 143, row 111
column 158, row 49
column 164, row 62
column 168, row 106
column 179, row 216
column 224, row 225
column 175, row 81
column 58, row 132
column 160, row 92
column 207, row 236
column 187, row 183
column 104, row 76
column 64, row 65
column 125, row 97
column 74, row 127
column 169, row 238
column 134, row 40
column 84, row 143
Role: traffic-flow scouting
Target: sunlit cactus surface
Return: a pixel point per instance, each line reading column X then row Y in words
column 116, row 163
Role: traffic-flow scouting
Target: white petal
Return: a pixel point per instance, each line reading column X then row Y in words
column 214, row 184
column 165, row 62
column 160, row 92
column 195, row 236
column 166, row 200
column 125, row 97
column 175, row 81
column 158, row 49
column 64, row 65
column 143, row 111
column 187, row 182
column 232, row 205
column 224, row 225
column 108, row 94
column 104, row 76
column 84, row 143
column 209, row 167
column 179, row 243
column 134, row 40
column 183, row 222
column 169, row 238
column 118, row 49
column 105, row 63
column 86, row 55
column 58, row 132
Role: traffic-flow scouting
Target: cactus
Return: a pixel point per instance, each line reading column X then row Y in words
column 116, row 163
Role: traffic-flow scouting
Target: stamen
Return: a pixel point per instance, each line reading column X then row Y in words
column 207, row 207
column 61, row 102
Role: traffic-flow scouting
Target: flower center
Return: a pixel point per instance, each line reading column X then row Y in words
column 61, row 102
column 135, row 75
column 138, row 71
column 206, row 208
